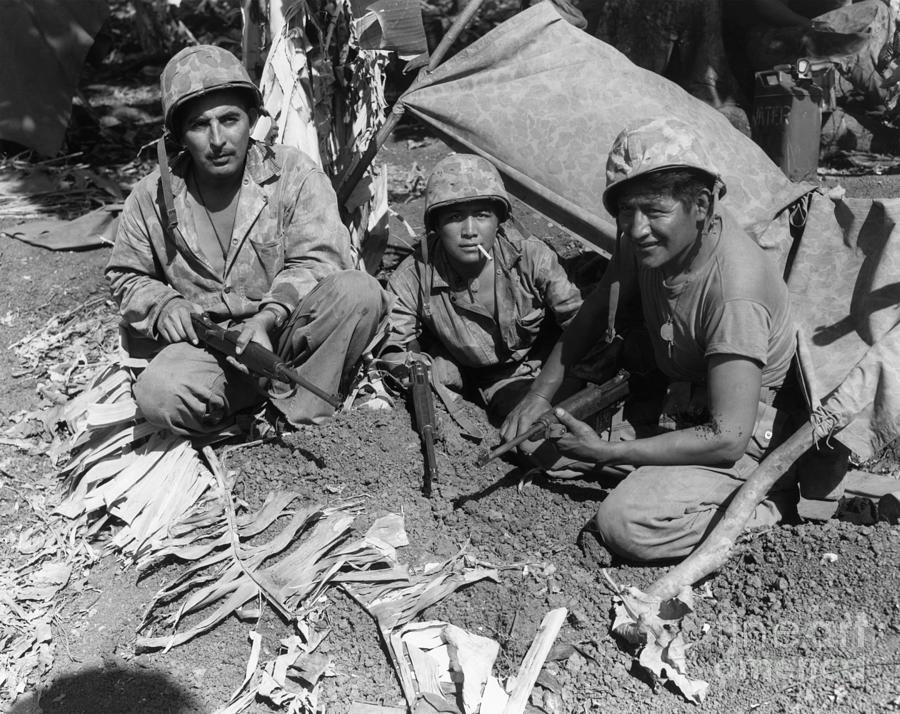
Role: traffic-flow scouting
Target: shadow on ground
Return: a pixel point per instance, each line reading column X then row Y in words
column 110, row 691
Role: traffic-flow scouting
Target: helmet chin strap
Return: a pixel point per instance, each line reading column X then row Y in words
column 166, row 181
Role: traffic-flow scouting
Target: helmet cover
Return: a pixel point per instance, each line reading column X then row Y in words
column 198, row 70
column 458, row 178
column 656, row 145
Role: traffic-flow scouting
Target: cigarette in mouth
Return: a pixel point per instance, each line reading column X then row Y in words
column 484, row 252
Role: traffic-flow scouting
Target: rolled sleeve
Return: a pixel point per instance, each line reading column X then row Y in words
column 740, row 327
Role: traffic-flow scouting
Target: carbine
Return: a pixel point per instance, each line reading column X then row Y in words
column 580, row 405
column 256, row 358
column 423, row 411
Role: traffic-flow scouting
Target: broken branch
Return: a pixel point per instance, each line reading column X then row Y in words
column 712, row 553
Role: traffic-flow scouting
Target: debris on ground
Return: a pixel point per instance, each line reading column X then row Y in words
column 654, row 627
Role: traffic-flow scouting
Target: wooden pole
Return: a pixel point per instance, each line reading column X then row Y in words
column 354, row 173
column 713, row 552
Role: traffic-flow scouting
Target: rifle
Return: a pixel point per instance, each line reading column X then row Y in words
column 423, row 410
column 256, row 358
column 580, row 405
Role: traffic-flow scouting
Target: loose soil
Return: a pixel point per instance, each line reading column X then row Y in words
column 781, row 628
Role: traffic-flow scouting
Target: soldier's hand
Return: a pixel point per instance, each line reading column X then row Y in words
column 253, row 329
column 523, row 416
column 174, row 322
column 577, row 439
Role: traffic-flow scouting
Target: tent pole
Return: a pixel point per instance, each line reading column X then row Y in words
column 358, row 168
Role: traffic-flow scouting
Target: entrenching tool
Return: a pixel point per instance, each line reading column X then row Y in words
column 256, row 358
column 423, row 410
column 580, row 405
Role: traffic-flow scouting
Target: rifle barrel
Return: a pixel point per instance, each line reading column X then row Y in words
column 430, row 461
column 286, row 374
column 534, row 431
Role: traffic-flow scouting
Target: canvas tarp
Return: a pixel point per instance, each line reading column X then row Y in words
column 544, row 101
column 44, row 46
column 844, row 278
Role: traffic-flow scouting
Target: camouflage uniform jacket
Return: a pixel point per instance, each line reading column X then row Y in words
column 287, row 237
column 529, row 282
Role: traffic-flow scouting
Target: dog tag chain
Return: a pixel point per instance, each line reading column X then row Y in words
column 667, row 329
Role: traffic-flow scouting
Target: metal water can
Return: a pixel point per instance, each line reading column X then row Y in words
column 787, row 118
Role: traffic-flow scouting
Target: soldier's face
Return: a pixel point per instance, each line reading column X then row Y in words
column 661, row 228
column 216, row 132
column 463, row 227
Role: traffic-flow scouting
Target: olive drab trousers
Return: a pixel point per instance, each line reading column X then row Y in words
column 661, row 513
column 193, row 392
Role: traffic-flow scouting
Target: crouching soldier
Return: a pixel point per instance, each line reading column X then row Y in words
column 718, row 318
column 248, row 233
column 485, row 303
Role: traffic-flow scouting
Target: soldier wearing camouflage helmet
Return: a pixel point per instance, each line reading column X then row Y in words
column 196, row 71
column 247, row 232
column 459, row 178
column 717, row 317
column 475, row 295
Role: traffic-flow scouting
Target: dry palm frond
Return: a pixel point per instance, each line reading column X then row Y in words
column 395, row 604
column 122, row 469
column 290, row 569
column 36, row 566
column 63, row 355
column 50, row 188
column 87, row 330
column 326, row 97
column 291, row 680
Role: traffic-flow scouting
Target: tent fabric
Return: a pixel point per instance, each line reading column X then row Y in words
column 844, row 279
column 44, row 47
column 92, row 230
column 868, row 399
column 544, row 101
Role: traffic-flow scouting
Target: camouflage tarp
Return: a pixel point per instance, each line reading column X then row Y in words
column 544, row 101
column 845, row 288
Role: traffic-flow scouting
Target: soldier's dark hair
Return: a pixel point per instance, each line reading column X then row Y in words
column 682, row 184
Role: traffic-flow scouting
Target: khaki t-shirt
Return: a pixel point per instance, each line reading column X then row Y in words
column 736, row 303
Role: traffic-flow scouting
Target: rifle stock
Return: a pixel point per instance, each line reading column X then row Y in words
column 256, row 358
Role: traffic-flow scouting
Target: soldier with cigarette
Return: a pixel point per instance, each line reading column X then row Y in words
column 484, row 303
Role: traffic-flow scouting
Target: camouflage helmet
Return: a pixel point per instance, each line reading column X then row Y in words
column 464, row 177
column 653, row 146
column 196, row 71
